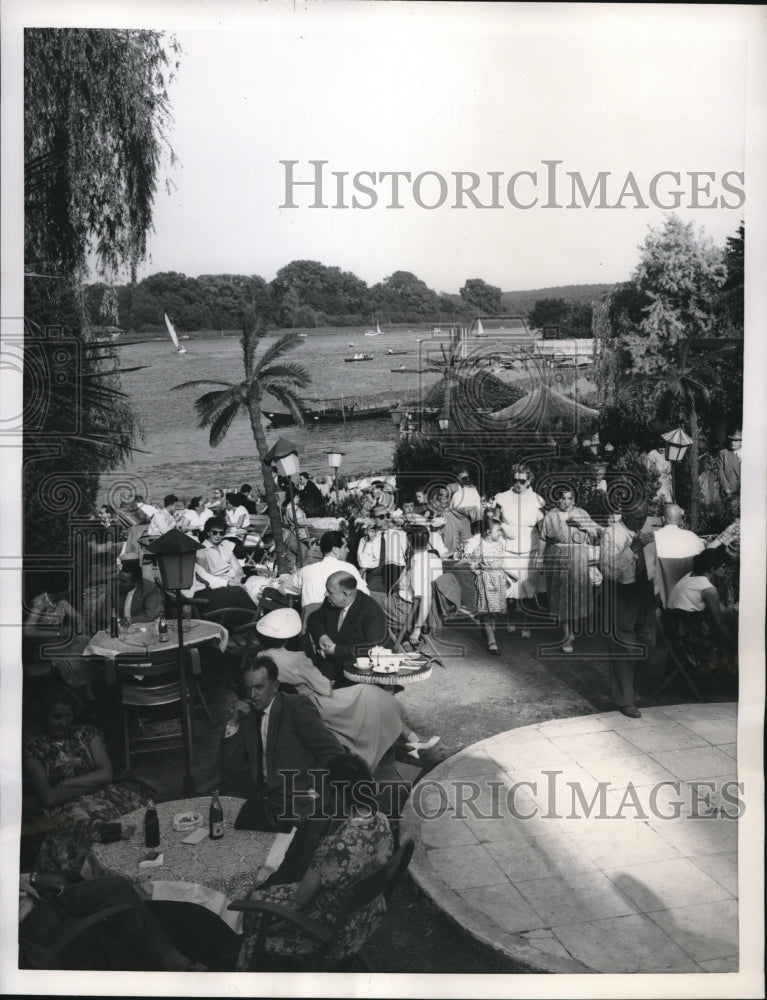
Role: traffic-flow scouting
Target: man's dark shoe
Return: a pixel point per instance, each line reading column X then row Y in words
column 630, row 710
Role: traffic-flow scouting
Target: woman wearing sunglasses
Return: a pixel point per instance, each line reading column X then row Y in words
column 218, row 574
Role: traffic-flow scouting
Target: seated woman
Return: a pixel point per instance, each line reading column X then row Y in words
column 71, row 774
column 218, row 576
column 237, row 516
column 51, row 610
column 365, row 718
column 353, row 840
column 708, row 635
column 53, row 632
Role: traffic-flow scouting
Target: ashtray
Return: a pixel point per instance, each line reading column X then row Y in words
column 186, row 821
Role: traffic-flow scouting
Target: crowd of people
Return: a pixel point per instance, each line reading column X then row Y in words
column 388, row 572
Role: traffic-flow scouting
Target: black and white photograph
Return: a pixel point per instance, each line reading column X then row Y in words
column 381, row 393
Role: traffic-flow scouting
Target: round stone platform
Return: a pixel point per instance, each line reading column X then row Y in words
column 591, row 844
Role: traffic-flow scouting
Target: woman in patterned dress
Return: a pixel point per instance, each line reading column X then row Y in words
column 351, row 839
column 563, row 555
column 71, row 774
column 491, row 580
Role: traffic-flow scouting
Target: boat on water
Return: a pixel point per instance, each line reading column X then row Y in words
column 390, row 351
column 374, row 333
column 174, row 336
column 400, row 369
column 334, row 410
column 360, row 357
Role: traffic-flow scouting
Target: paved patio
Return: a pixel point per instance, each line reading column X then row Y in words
column 559, row 845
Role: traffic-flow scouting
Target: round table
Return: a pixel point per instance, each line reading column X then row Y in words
column 421, row 672
column 212, row 873
column 141, row 637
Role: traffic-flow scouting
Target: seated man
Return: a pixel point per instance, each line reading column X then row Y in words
column 310, row 581
column 140, row 600
column 165, row 520
column 676, row 546
column 271, row 743
column 52, row 909
column 344, row 627
column 246, row 499
column 312, row 500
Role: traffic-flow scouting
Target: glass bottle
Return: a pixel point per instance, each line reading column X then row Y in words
column 162, row 629
column 151, row 825
column 215, row 818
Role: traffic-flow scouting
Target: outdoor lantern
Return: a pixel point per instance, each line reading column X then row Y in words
column 335, row 458
column 677, row 443
column 396, row 417
column 443, row 420
column 284, row 454
column 175, row 552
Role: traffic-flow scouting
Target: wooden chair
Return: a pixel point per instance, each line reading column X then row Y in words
column 151, row 684
column 671, row 572
column 378, row 884
column 241, row 626
column 87, row 943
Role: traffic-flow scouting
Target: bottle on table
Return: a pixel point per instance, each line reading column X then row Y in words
column 162, row 629
column 114, row 629
column 215, row 818
column 151, row 825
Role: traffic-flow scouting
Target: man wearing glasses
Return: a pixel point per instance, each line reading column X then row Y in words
column 521, row 512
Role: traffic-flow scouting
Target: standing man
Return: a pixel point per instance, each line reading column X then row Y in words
column 521, row 512
column 310, row 581
column 271, row 742
column 628, row 564
column 728, row 465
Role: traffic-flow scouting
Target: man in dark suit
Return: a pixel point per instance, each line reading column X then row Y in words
column 344, row 627
column 246, row 500
column 140, row 598
column 270, row 743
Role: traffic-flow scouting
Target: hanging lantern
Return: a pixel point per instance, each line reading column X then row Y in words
column 677, row 443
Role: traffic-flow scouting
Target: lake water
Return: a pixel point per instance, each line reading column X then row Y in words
column 176, row 455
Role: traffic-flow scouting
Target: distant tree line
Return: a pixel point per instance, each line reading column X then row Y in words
column 307, row 294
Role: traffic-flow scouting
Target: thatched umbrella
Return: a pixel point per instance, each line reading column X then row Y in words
column 545, row 409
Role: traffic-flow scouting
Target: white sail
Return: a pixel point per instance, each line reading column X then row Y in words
column 378, row 328
column 174, row 336
column 480, row 331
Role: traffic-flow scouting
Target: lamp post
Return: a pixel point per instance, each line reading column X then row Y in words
column 284, row 454
column 677, row 443
column 334, row 461
column 176, row 553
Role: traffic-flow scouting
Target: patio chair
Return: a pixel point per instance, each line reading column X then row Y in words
column 361, row 893
column 671, row 572
column 153, row 683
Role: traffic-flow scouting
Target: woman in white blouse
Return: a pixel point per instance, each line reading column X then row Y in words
column 422, row 567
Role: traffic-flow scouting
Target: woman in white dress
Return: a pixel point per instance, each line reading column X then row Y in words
column 521, row 512
column 365, row 718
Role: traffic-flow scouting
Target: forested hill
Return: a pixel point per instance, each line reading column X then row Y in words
column 308, row 294
column 514, row 303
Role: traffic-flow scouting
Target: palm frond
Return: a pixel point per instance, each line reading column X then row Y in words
column 288, row 342
column 212, row 403
column 252, row 335
column 288, row 370
column 199, row 382
column 290, row 401
column 222, row 423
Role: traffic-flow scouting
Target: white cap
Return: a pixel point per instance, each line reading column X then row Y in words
column 284, row 623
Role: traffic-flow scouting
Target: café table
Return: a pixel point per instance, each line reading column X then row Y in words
column 141, row 638
column 416, row 671
column 212, row 873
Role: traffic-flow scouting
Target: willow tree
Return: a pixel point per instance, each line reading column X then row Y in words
column 96, row 119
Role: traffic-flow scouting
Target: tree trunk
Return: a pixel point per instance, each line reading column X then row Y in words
column 694, row 453
column 254, row 411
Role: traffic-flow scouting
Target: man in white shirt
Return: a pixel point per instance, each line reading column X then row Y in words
column 628, row 565
column 310, row 581
column 673, row 542
column 165, row 520
column 383, row 565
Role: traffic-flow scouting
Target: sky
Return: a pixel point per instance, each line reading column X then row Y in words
column 443, row 88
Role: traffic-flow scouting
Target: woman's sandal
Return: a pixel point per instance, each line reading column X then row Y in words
column 492, row 647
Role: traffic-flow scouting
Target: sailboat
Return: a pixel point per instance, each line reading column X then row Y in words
column 174, row 336
column 374, row 333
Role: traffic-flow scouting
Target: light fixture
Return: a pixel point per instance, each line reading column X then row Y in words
column 443, row 420
column 396, row 417
column 335, row 458
column 677, row 443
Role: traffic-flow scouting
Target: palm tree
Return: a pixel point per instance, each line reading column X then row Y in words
column 682, row 384
column 267, row 374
